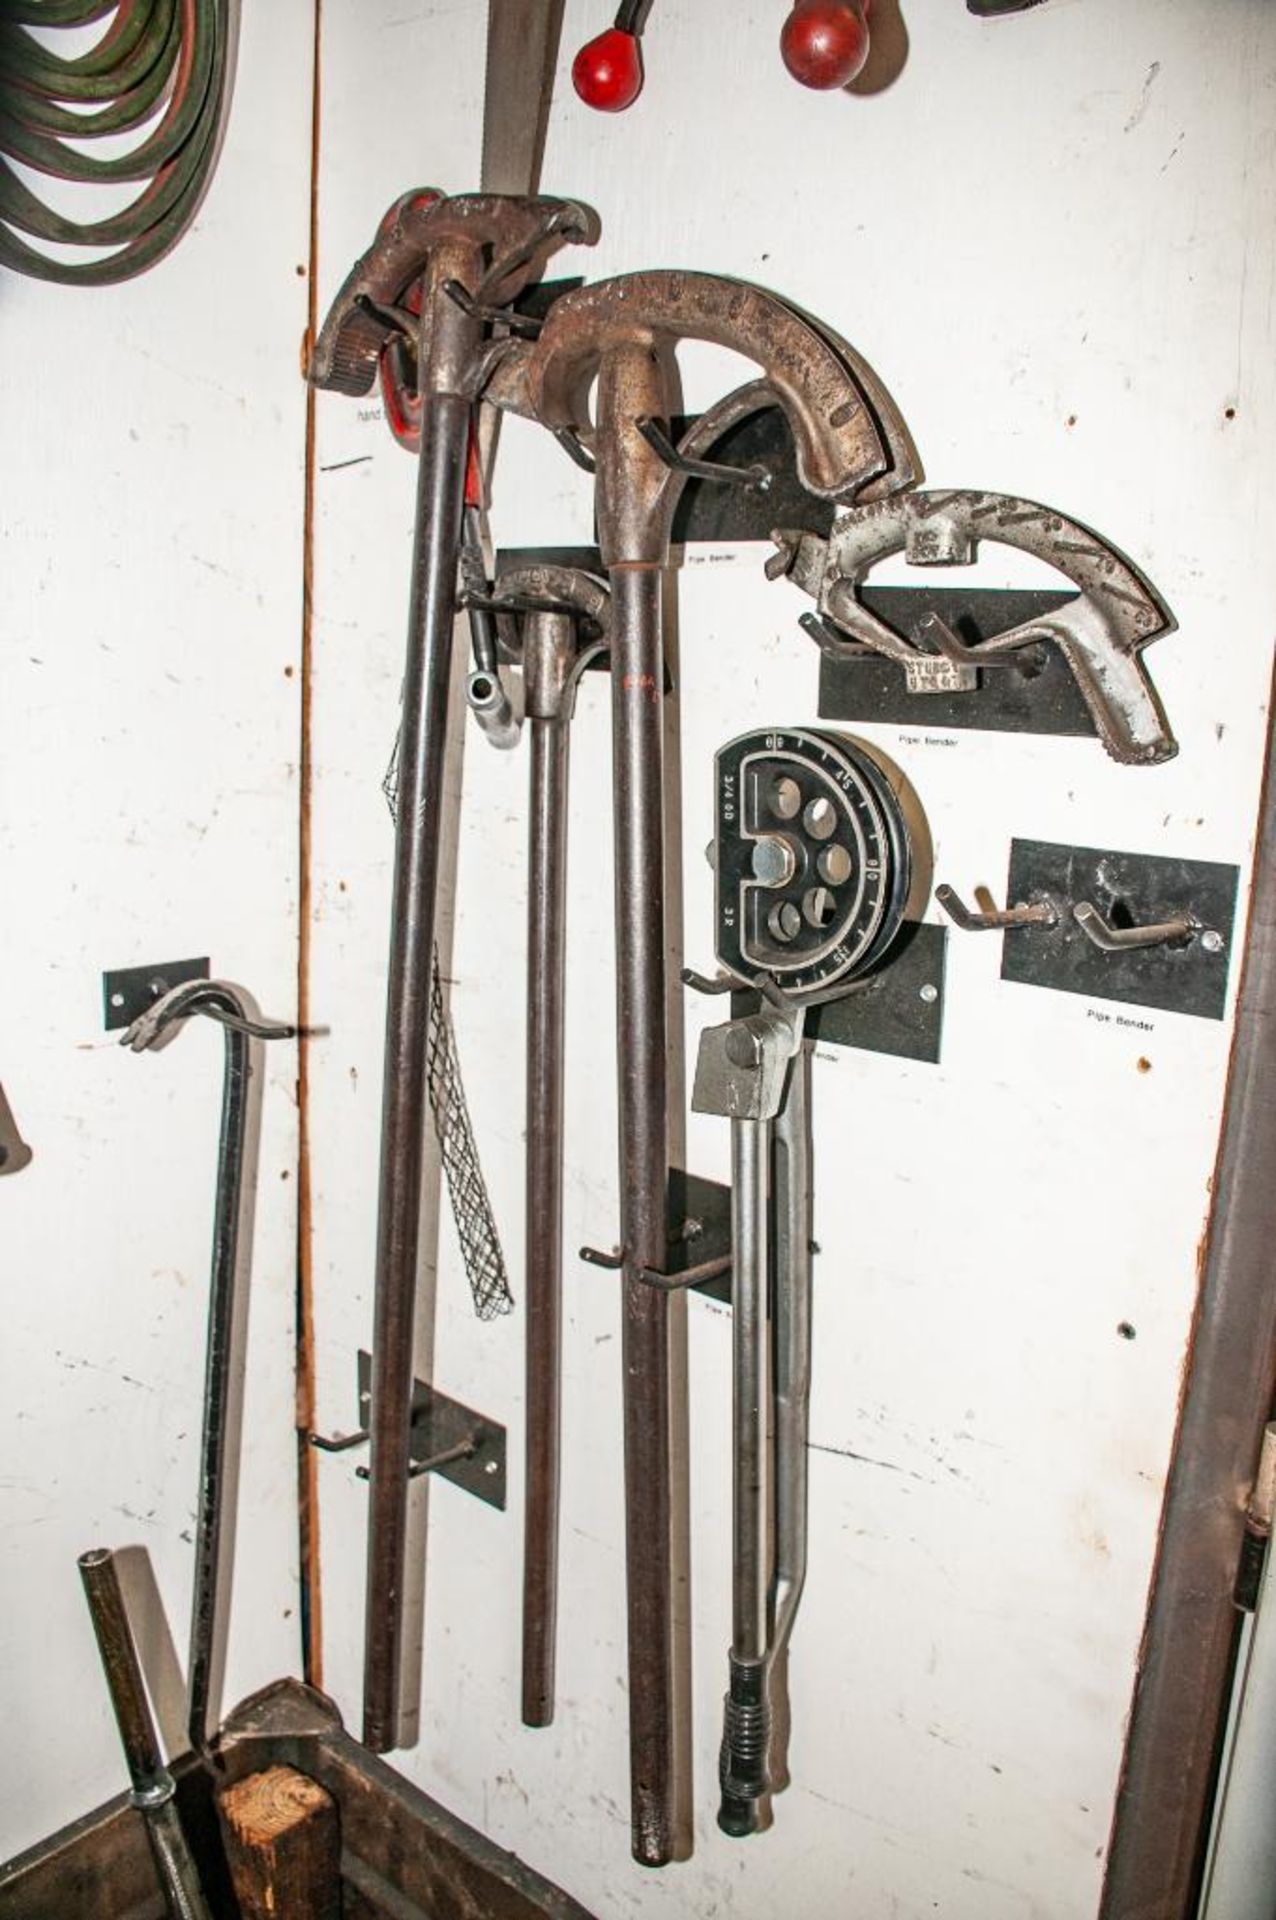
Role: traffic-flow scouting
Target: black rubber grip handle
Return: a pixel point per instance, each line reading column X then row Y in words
column 631, row 16
column 746, row 1741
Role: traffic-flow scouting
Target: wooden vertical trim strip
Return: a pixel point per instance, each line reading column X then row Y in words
column 307, row 1477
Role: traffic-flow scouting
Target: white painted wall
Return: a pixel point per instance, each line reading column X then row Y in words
column 1051, row 238
column 150, row 504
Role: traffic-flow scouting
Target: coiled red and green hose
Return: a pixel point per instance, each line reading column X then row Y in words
column 166, row 61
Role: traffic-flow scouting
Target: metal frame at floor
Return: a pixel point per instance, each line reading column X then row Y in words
column 403, row 1856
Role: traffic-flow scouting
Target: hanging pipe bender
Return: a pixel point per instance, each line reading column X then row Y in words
column 817, row 864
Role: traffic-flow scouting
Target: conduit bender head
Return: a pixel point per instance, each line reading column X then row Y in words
column 850, row 439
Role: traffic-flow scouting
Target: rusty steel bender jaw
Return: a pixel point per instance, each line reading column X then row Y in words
column 510, row 238
column 850, row 438
column 1101, row 634
column 602, row 377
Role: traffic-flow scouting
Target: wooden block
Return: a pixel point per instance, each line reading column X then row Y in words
column 283, row 1846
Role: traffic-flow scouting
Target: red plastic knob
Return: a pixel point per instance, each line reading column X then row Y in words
column 607, row 72
column 824, row 43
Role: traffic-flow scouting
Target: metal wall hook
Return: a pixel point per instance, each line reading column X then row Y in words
column 443, row 1437
column 1037, row 913
column 398, row 322
column 689, row 1277
column 825, row 634
column 755, row 477
column 522, row 324
column 950, row 646
column 712, row 983
column 700, row 1227
column 338, row 1442
column 595, row 1257
column 1109, row 939
column 448, row 1457
column 575, row 449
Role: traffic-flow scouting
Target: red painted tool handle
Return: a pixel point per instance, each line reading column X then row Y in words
column 824, row 43
column 607, row 72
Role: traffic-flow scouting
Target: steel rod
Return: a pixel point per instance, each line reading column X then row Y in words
column 227, row 1004
column 448, row 339
column 546, row 953
column 750, row 1155
column 152, row 1784
column 792, row 1362
column 637, row 681
column 746, row 1717
column 218, row 1370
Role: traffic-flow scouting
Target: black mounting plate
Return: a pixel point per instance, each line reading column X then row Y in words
column 712, row 510
column 1129, row 889
column 898, row 1010
column 127, row 992
column 699, row 1219
column 439, row 1423
column 1032, row 692
column 697, row 1233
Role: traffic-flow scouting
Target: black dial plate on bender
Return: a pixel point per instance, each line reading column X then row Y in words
column 812, row 858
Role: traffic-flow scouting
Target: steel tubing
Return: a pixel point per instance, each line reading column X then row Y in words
column 746, row 1718
column 792, row 1401
column 637, row 682
column 449, row 338
column 227, row 1004
column 750, row 1157
column 152, row 1784
column 219, row 1356
column 546, row 954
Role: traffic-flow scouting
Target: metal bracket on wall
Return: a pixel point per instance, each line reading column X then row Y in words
column 698, row 1256
column 1029, row 691
column 761, row 441
column 898, row 1010
column 129, row 992
column 1135, row 927
column 448, row 1438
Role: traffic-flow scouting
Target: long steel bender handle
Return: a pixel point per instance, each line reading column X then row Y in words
column 756, row 1071
column 794, row 1244
column 224, row 1003
column 743, row 1767
column 565, row 620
